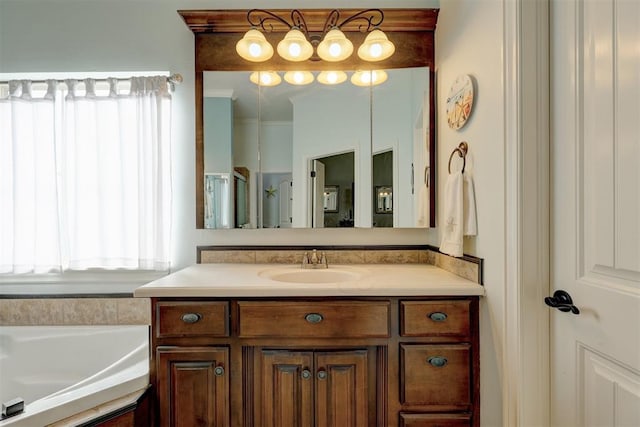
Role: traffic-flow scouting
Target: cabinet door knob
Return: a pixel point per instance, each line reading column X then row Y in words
column 322, row 375
column 313, row 318
column 191, row 317
column 218, row 371
column 306, row 374
column 438, row 316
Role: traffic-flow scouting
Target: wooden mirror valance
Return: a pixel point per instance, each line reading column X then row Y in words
column 217, row 32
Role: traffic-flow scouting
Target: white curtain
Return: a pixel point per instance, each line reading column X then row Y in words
column 85, row 175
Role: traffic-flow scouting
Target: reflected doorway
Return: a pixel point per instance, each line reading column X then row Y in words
column 383, row 189
column 333, row 190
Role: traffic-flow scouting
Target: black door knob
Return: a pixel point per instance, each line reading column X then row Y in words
column 562, row 301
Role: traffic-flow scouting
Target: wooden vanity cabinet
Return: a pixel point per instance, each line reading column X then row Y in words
column 326, row 362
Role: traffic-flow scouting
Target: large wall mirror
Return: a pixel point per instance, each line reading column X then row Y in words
column 316, row 155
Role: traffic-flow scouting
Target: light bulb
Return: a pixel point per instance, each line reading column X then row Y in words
column 332, row 77
column 255, row 50
column 334, row 50
column 295, row 50
column 375, row 50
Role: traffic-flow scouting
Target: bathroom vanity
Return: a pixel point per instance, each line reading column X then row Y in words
column 278, row 345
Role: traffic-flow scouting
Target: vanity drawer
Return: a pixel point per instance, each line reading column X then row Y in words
column 435, row 420
column 435, row 375
column 435, row 318
column 182, row 319
column 340, row 319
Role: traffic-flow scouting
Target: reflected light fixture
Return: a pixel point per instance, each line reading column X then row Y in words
column 332, row 77
column 299, row 78
column 299, row 43
column 369, row 78
column 265, row 78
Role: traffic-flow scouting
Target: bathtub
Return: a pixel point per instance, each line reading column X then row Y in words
column 61, row 371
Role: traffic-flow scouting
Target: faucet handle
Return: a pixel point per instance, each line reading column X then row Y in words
column 323, row 260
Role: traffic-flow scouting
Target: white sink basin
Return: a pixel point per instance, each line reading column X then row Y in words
column 300, row 275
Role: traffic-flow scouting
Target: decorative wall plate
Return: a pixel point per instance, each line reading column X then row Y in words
column 460, row 102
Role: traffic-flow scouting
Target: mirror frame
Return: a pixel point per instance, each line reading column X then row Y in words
column 217, row 31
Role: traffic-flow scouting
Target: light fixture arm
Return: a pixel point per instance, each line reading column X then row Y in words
column 372, row 17
column 259, row 18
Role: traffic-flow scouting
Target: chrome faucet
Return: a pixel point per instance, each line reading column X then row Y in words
column 314, row 261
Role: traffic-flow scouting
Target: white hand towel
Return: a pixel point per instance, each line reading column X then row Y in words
column 451, row 243
column 469, row 206
column 422, row 219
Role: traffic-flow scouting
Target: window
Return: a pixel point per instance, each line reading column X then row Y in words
column 85, row 176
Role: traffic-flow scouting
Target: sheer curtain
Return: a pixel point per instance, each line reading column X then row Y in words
column 85, row 175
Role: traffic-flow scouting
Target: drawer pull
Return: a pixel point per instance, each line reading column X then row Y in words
column 306, row 374
column 191, row 317
column 322, row 375
column 314, row 317
column 438, row 316
column 218, row 371
column 437, row 361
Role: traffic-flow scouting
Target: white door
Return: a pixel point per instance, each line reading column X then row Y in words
column 595, row 100
column 317, row 220
column 285, row 203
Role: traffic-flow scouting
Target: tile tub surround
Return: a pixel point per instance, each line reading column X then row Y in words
column 75, row 311
column 468, row 267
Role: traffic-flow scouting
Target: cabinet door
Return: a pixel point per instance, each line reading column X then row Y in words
column 342, row 389
column 193, row 386
column 286, row 387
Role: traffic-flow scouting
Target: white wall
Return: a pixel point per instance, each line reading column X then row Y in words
column 129, row 35
column 469, row 41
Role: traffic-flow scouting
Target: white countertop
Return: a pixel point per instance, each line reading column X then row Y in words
column 256, row 280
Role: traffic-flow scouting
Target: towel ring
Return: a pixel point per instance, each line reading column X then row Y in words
column 461, row 149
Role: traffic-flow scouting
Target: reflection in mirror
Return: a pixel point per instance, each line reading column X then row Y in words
column 273, row 135
column 231, row 147
column 217, row 200
column 383, row 179
column 384, row 200
column 400, row 126
column 331, row 198
column 333, row 208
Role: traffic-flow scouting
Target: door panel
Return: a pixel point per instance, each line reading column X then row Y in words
column 595, row 361
column 317, row 220
column 341, row 389
column 193, row 385
column 286, row 389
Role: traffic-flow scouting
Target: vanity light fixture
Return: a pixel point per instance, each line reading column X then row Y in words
column 265, row 78
column 335, row 46
column 298, row 78
column 369, row 78
column 298, row 44
column 295, row 47
column 376, row 47
column 332, row 77
column 254, row 47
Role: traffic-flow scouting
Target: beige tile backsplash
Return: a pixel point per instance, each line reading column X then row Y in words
column 75, row 311
column 459, row 266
